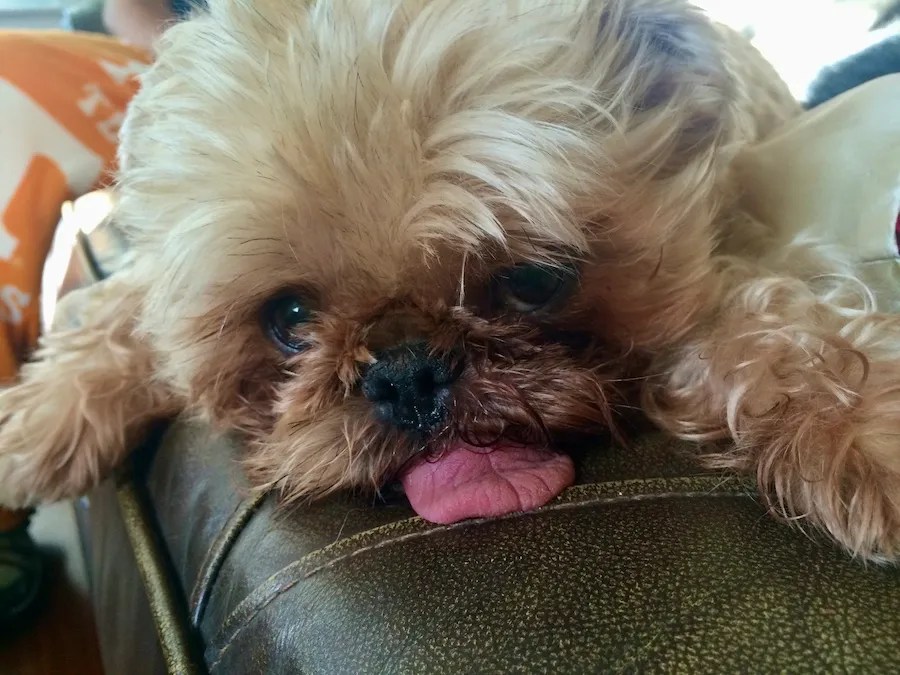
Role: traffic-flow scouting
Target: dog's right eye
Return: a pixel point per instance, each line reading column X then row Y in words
column 283, row 316
column 529, row 288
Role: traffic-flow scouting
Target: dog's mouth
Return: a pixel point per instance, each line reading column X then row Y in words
column 464, row 481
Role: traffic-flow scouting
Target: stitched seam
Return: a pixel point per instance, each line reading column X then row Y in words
column 293, row 581
column 576, row 495
column 565, row 506
column 207, row 559
column 218, row 552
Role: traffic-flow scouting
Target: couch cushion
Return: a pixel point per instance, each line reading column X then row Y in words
column 652, row 566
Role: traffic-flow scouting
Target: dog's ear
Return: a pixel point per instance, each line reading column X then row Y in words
column 664, row 45
column 665, row 65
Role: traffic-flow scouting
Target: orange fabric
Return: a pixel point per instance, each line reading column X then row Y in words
column 62, row 100
column 42, row 189
column 82, row 80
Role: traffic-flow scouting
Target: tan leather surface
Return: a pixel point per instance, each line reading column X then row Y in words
column 635, row 572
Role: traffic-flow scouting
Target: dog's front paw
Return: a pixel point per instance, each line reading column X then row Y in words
column 864, row 518
column 13, row 494
column 846, row 484
column 41, row 445
column 17, row 472
column 858, row 501
column 30, row 460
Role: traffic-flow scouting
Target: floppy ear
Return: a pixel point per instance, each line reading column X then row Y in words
column 687, row 85
column 83, row 401
column 666, row 63
column 667, row 43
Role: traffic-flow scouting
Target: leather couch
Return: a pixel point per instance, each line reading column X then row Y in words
column 647, row 564
column 643, row 566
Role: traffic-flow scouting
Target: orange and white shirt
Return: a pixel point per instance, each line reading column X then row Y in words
column 62, row 100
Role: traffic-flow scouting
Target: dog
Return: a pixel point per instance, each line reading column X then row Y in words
column 436, row 240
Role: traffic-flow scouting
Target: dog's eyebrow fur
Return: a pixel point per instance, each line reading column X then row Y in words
column 461, row 128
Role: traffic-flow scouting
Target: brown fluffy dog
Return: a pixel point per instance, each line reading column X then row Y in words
column 435, row 238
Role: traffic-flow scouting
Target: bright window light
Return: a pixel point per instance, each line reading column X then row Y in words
column 800, row 37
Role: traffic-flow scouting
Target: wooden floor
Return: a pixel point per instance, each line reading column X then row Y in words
column 62, row 639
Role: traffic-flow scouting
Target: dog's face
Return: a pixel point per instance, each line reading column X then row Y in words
column 425, row 238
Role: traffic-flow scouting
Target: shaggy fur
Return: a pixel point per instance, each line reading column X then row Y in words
column 386, row 161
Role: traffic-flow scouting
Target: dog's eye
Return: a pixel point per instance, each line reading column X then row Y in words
column 283, row 316
column 528, row 288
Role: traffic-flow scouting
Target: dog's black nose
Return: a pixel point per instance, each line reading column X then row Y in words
column 410, row 387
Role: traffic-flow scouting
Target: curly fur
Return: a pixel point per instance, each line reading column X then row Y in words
column 386, row 160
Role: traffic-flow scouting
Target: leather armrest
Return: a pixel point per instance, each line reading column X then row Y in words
column 641, row 565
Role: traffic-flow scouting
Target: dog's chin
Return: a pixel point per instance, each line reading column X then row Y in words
column 463, row 481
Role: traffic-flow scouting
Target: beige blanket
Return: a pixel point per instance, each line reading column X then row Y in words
column 834, row 172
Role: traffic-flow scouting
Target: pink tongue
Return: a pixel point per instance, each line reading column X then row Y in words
column 468, row 482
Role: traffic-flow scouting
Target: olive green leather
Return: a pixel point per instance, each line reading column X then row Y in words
column 643, row 566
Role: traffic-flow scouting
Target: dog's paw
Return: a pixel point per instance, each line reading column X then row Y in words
column 39, row 448
column 865, row 521
column 850, row 490
column 12, row 496
column 870, row 531
column 21, row 464
column 15, row 487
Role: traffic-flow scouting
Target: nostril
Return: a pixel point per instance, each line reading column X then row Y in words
column 425, row 382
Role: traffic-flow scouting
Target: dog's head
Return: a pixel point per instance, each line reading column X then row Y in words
column 425, row 238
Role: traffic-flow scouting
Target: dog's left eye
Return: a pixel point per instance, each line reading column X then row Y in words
column 283, row 316
column 528, row 288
